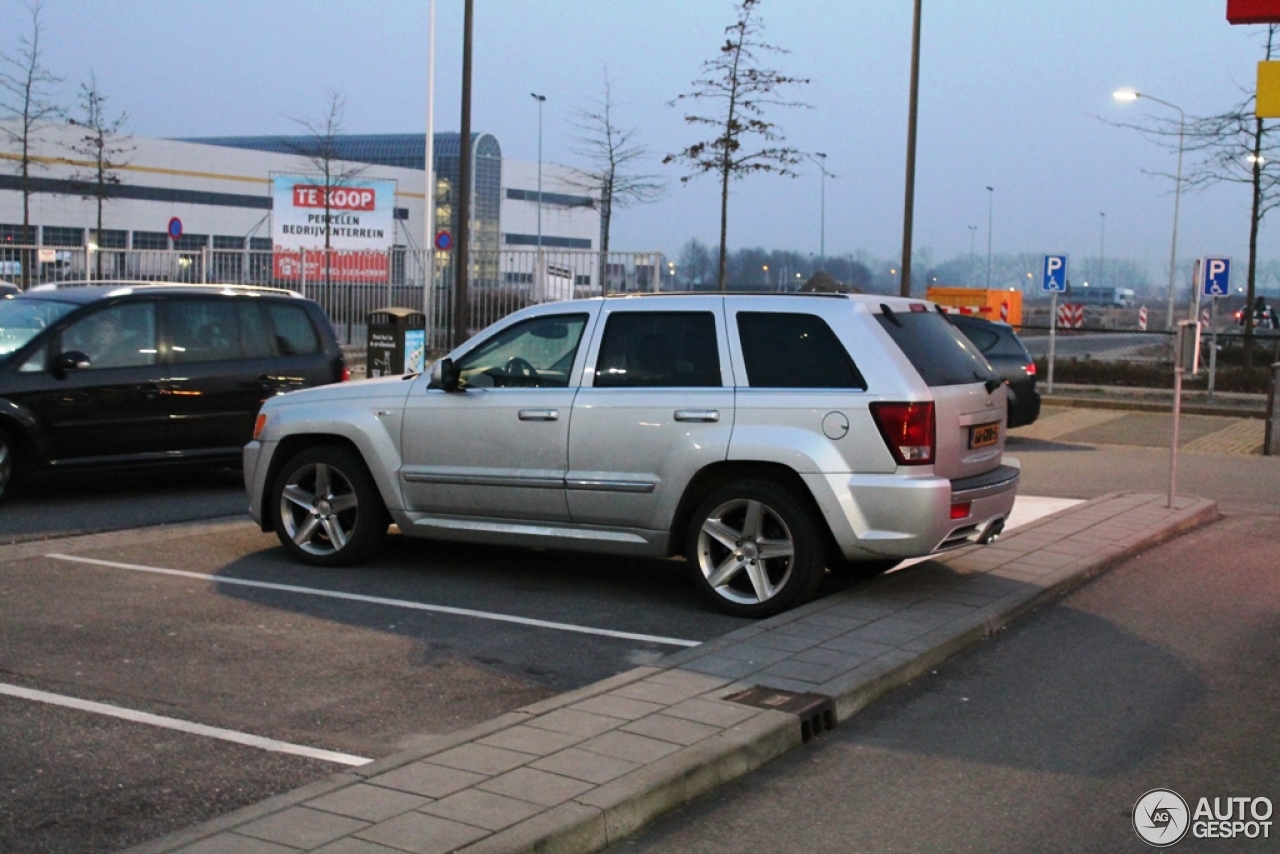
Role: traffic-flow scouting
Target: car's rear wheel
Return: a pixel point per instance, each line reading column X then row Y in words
column 328, row 510
column 756, row 548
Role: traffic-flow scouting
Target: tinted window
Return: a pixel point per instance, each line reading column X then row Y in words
column 651, row 349
column 939, row 351
column 294, row 333
column 121, row 336
column 984, row 338
column 202, row 330
column 794, row 351
column 535, row 353
column 255, row 338
column 24, row 319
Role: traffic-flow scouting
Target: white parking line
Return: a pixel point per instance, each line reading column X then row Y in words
column 378, row 600
column 181, row 726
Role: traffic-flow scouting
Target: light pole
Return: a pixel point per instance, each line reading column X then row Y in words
column 822, row 220
column 540, row 99
column 1102, row 248
column 991, row 195
column 1131, row 95
column 973, row 257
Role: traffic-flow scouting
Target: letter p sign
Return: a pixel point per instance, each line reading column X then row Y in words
column 1055, row 274
column 1217, row 277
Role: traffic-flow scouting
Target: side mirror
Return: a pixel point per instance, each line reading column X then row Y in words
column 70, row 361
column 444, row 375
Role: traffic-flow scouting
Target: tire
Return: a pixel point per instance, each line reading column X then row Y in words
column 327, row 508
column 8, row 464
column 727, row 563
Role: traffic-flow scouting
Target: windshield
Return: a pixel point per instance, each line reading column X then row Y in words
column 24, row 319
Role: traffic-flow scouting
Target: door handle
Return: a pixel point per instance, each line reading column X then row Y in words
column 539, row 414
column 698, row 415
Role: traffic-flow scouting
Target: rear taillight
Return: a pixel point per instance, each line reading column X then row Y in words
column 346, row 374
column 1030, row 368
column 908, row 430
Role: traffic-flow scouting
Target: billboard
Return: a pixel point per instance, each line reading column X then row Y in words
column 360, row 222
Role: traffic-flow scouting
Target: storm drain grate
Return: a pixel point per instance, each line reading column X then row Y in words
column 816, row 714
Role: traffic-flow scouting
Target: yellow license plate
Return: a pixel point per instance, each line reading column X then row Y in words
column 982, row 435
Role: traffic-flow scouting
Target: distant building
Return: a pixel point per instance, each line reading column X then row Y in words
column 221, row 190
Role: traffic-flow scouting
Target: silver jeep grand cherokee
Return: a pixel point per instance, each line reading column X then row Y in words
column 763, row 437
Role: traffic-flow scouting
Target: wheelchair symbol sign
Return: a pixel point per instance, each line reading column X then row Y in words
column 1216, row 277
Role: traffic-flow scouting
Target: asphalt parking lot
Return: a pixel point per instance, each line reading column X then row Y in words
column 172, row 625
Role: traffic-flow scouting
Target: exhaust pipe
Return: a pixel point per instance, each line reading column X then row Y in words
column 993, row 532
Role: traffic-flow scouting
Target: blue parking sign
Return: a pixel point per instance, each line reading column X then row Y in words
column 1055, row 274
column 1215, row 278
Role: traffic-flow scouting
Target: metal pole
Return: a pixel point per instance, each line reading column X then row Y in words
column 1102, row 249
column 1173, row 448
column 540, row 99
column 429, row 177
column 1053, row 337
column 1213, row 345
column 822, row 218
column 461, row 306
column 991, row 194
column 908, row 208
column 973, row 256
column 1177, row 199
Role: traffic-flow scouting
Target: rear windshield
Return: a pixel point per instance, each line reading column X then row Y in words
column 941, row 354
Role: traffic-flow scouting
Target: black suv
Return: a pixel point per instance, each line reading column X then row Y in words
column 129, row 373
column 1010, row 359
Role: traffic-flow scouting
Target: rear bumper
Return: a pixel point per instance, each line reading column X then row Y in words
column 896, row 516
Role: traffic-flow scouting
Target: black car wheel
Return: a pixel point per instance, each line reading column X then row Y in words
column 328, row 510
column 755, row 548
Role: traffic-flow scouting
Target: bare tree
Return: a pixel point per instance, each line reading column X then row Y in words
column 105, row 148
column 613, row 154
column 741, row 89
column 26, row 98
column 1233, row 147
column 322, row 154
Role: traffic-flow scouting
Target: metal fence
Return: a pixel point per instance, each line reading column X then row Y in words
column 354, row 284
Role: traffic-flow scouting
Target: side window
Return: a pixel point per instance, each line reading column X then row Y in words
column 255, row 338
column 983, row 339
column 537, row 353
column 656, row 349
column 794, row 351
column 122, row 336
column 202, row 330
column 294, row 333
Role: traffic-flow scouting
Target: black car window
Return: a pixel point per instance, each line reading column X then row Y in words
column 794, row 351
column 656, row 349
column 936, row 349
column 294, row 334
column 24, row 319
column 255, row 338
column 121, row 336
column 984, row 338
column 536, row 353
column 202, row 330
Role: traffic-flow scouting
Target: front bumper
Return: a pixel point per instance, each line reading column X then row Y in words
column 896, row 516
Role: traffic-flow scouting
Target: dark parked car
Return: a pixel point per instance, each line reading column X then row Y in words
column 1011, row 361
column 124, row 374
column 8, row 289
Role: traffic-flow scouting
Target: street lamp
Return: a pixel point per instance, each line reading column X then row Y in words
column 1131, row 95
column 1102, row 249
column 991, row 194
column 822, row 232
column 540, row 99
column 765, row 271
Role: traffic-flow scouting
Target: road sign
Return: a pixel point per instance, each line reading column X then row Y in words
column 175, row 228
column 1055, row 274
column 1216, row 277
column 444, row 241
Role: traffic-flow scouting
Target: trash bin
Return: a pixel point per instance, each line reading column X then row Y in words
column 397, row 342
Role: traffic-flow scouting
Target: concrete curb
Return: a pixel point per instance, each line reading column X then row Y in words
column 1246, row 410
column 646, row 741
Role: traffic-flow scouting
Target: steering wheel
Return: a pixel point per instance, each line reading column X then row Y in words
column 518, row 367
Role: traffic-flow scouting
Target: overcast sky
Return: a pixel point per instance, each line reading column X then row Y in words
column 1011, row 92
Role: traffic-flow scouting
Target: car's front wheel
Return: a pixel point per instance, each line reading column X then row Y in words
column 328, row 510
column 756, row 548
